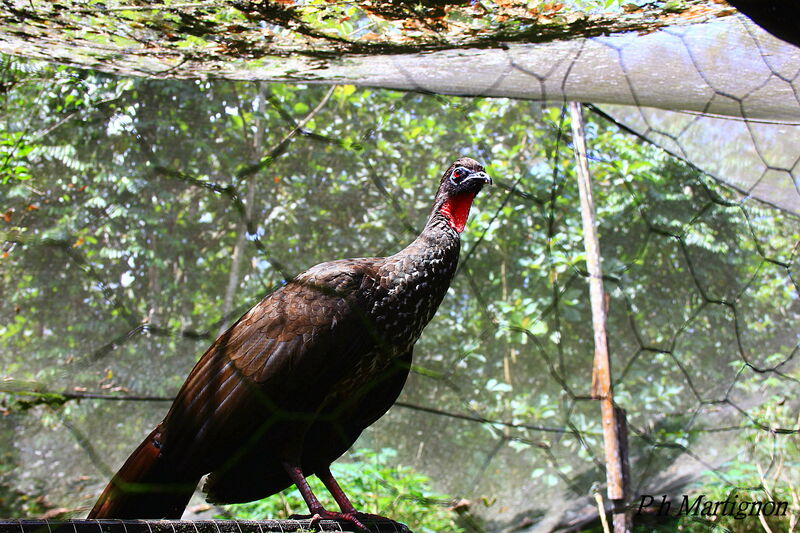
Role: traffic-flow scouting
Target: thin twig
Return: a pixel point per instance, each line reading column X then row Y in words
column 601, row 510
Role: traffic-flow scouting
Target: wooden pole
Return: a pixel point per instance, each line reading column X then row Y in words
column 601, row 375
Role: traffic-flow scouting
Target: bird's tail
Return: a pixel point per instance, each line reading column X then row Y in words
column 145, row 486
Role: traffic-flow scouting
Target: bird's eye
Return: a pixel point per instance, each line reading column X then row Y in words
column 459, row 174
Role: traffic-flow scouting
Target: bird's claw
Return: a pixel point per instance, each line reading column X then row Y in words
column 324, row 514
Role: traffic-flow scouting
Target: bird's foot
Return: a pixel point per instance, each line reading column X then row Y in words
column 355, row 518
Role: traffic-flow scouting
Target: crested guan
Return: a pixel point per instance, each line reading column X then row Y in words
column 292, row 384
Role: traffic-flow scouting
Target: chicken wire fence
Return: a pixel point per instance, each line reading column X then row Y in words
column 147, row 215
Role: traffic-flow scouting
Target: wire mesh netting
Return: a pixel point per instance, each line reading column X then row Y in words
column 141, row 217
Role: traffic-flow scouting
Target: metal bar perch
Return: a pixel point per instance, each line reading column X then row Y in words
column 191, row 526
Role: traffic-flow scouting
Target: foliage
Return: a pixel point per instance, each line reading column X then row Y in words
column 246, row 39
column 766, row 470
column 126, row 201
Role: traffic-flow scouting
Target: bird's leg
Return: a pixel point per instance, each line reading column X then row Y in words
column 336, row 491
column 341, row 498
column 297, row 477
column 318, row 512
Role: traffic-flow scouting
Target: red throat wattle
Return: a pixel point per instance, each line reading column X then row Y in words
column 455, row 209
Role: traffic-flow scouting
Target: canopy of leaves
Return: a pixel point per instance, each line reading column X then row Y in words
column 287, row 38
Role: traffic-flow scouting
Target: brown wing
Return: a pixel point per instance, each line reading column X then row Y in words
column 338, row 430
column 257, row 475
column 271, row 370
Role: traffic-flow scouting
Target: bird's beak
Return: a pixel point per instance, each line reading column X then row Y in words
column 483, row 176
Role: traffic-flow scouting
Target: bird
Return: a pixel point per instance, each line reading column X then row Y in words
column 287, row 389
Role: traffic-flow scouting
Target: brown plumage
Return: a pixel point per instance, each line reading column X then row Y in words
column 293, row 383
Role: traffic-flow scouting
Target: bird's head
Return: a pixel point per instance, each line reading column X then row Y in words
column 460, row 183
